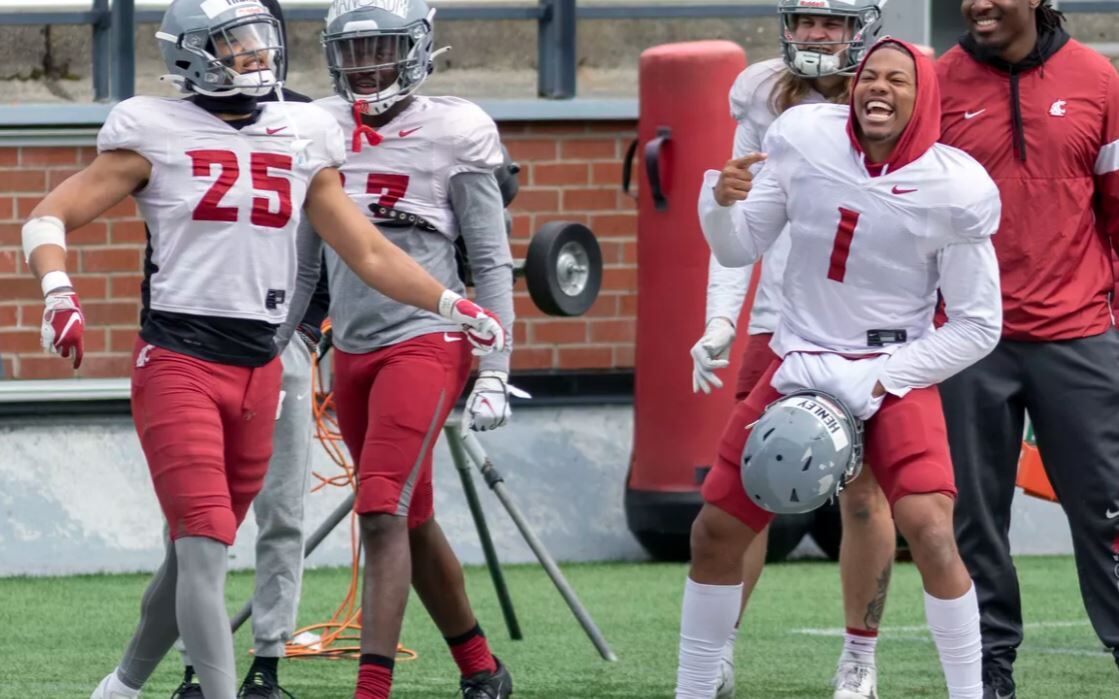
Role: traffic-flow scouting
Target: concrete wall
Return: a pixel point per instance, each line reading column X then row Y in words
column 75, row 496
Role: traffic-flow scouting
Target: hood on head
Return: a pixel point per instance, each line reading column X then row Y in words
column 923, row 129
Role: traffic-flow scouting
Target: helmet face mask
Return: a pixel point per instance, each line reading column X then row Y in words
column 814, row 58
column 237, row 51
column 801, row 453
column 378, row 51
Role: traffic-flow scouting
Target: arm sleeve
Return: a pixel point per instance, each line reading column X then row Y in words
column 1107, row 168
column 740, row 233
column 476, row 200
column 969, row 283
column 309, row 253
column 727, row 286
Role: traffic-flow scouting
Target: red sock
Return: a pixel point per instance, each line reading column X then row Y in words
column 374, row 677
column 472, row 653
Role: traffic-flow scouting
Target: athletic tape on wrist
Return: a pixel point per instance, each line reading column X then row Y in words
column 42, row 230
column 54, row 280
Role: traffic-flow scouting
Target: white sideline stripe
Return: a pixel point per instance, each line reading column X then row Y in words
column 840, row 631
column 1108, row 159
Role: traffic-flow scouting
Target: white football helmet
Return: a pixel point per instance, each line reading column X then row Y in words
column 864, row 24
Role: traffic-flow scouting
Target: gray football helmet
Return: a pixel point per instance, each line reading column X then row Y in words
column 378, row 51
column 801, row 453
column 221, row 48
column 864, row 24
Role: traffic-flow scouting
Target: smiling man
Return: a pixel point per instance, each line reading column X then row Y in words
column 880, row 216
column 1041, row 112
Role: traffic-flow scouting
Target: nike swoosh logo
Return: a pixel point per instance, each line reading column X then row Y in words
column 448, row 337
column 1112, row 515
column 972, row 115
column 273, row 132
column 405, row 133
column 899, row 190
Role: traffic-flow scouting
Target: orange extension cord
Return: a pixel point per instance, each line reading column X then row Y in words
column 340, row 636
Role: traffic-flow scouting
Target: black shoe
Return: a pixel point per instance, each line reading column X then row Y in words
column 189, row 689
column 998, row 686
column 488, row 685
column 262, row 685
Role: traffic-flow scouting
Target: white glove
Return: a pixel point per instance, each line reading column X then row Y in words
column 487, row 406
column 710, row 353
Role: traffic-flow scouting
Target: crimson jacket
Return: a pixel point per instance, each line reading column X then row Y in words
column 1047, row 130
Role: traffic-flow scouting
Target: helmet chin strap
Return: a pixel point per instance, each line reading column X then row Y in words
column 814, row 64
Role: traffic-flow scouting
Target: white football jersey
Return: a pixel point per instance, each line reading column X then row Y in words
column 751, row 105
column 223, row 204
column 424, row 146
column 867, row 254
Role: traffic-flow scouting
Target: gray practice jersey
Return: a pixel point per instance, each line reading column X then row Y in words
column 436, row 161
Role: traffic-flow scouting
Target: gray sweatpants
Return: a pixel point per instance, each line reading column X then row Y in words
column 1071, row 391
column 279, row 511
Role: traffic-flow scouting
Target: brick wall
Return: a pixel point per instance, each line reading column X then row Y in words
column 569, row 171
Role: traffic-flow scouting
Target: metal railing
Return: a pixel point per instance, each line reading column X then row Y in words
column 114, row 50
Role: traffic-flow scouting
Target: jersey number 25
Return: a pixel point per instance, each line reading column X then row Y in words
column 210, row 208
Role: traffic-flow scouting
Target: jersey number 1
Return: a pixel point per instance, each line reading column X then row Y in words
column 210, row 208
column 837, row 269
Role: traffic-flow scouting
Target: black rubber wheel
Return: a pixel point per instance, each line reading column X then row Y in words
column 785, row 532
column 563, row 268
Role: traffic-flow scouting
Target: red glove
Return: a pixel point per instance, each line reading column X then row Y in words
column 63, row 326
column 482, row 328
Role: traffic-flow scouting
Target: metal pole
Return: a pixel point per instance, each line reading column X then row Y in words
column 555, row 47
column 494, row 565
column 496, row 483
column 102, row 50
column 333, row 520
column 124, row 49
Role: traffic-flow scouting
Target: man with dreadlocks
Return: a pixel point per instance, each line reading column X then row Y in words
column 1041, row 112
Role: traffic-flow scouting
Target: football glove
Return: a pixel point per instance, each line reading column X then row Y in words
column 487, row 406
column 481, row 327
column 710, row 353
column 63, row 326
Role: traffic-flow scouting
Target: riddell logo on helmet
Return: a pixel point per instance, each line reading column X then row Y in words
column 397, row 7
column 814, row 3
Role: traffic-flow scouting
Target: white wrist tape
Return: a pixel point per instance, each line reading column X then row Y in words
column 447, row 303
column 54, row 280
column 42, row 230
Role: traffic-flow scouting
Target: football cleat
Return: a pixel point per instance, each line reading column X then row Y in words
column 488, row 685
column 998, row 686
column 112, row 688
column 189, row 689
column 261, row 685
column 725, row 688
column 855, row 680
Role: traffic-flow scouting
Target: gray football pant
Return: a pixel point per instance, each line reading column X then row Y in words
column 186, row 596
column 1071, row 391
column 279, row 511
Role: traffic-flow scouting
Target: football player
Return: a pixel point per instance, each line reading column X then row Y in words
column 423, row 169
column 880, row 216
column 820, row 49
column 223, row 183
column 278, row 508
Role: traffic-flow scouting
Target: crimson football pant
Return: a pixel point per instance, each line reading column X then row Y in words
column 391, row 404
column 1071, row 390
column 905, row 446
column 756, row 360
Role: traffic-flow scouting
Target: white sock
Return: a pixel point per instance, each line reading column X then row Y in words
column 954, row 624
column 706, row 623
column 728, row 647
column 859, row 647
column 117, row 688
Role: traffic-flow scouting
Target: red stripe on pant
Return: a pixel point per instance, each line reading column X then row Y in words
column 206, row 430
column 391, row 405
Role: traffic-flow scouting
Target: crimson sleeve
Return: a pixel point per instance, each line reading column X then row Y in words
column 1107, row 167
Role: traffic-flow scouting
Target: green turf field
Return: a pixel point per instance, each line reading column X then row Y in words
column 60, row 635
